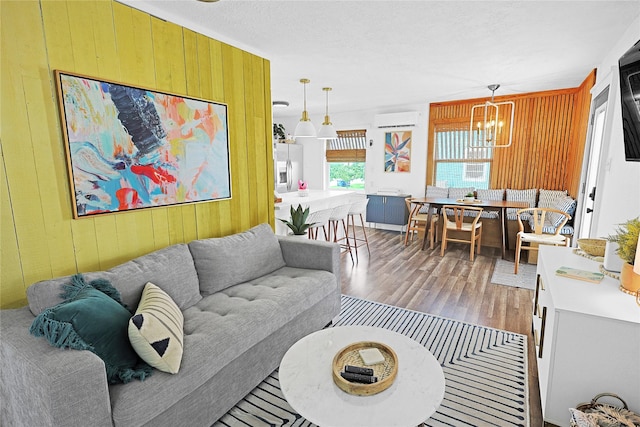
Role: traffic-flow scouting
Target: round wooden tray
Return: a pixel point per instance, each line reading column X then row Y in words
column 385, row 371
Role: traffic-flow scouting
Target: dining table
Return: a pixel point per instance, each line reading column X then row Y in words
column 499, row 206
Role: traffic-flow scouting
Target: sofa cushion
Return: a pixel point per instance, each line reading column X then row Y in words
column 564, row 204
column 459, row 193
column 170, row 268
column 528, row 196
column 92, row 317
column 440, row 192
column 155, row 330
column 433, row 191
column 226, row 261
column 493, row 194
column 220, row 328
column 549, row 197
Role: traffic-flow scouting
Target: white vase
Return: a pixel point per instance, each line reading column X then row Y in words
column 303, row 193
column 612, row 262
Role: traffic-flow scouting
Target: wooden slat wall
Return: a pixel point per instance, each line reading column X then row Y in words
column 548, row 138
column 106, row 39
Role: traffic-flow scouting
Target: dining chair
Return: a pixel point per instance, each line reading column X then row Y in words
column 453, row 221
column 318, row 219
column 545, row 224
column 418, row 216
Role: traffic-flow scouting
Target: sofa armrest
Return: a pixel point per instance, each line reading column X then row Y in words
column 47, row 386
column 313, row 254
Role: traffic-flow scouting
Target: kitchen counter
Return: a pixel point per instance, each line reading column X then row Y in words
column 316, row 200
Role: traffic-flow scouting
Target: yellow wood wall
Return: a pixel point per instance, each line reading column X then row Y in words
column 549, row 137
column 106, row 39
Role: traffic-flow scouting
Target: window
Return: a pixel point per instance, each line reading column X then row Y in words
column 346, row 157
column 456, row 163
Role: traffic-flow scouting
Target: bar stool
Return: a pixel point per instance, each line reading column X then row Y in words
column 340, row 214
column 318, row 219
column 358, row 208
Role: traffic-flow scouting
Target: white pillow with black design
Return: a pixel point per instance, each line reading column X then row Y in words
column 155, row 330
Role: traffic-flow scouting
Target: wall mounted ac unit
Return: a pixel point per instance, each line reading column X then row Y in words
column 396, row 120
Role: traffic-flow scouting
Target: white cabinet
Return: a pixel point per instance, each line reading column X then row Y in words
column 587, row 337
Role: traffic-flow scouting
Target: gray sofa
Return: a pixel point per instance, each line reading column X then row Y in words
column 245, row 298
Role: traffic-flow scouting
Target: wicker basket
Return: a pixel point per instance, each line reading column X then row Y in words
column 594, row 247
column 603, row 414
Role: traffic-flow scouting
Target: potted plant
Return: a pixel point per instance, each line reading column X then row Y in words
column 279, row 132
column 469, row 197
column 626, row 236
column 298, row 222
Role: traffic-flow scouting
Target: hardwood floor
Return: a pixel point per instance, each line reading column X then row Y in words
column 449, row 286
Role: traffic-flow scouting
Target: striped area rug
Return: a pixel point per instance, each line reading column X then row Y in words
column 485, row 371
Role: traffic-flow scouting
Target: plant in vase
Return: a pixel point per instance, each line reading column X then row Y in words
column 469, row 197
column 626, row 236
column 298, row 221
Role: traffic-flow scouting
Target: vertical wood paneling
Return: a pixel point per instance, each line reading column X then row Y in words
column 234, row 89
column 548, row 138
column 207, row 212
column 579, row 133
column 109, row 40
column 268, row 131
column 10, row 266
column 23, row 57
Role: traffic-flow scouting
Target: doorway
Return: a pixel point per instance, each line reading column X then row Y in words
column 592, row 163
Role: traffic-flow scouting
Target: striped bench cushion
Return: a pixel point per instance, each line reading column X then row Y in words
column 549, row 197
column 495, row 194
column 433, row 191
column 528, row 196
column 565, row 204
column 566, row 230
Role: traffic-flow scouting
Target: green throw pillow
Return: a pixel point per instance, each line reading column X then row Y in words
column 92, row 317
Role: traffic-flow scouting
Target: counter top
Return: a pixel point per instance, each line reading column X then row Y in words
column 292, row 198
column 317, row 200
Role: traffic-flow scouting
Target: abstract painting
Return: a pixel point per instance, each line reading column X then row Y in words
column 132, row 148
column 397, row 151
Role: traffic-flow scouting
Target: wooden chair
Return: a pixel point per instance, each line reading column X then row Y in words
column 453, row 220
column 543, row 230
column 417, row 222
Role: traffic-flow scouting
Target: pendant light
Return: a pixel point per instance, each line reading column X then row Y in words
column 487, row 127
column 327, row 131
column 305, row 128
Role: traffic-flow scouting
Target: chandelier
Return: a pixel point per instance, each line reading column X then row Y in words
column 491, row 123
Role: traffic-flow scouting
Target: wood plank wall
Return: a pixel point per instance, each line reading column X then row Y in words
column 548, row 138
column 106, row 39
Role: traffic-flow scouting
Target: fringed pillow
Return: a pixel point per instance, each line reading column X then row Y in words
column 92, row 317
column 155, row 331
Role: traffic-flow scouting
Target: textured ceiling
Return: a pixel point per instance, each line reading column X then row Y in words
column 381, row 54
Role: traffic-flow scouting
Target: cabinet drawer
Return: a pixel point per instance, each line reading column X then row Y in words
column 539, row 322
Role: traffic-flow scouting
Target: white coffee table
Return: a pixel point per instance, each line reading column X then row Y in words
column 307, row 384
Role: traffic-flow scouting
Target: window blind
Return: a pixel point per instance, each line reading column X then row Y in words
column 351, row 146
